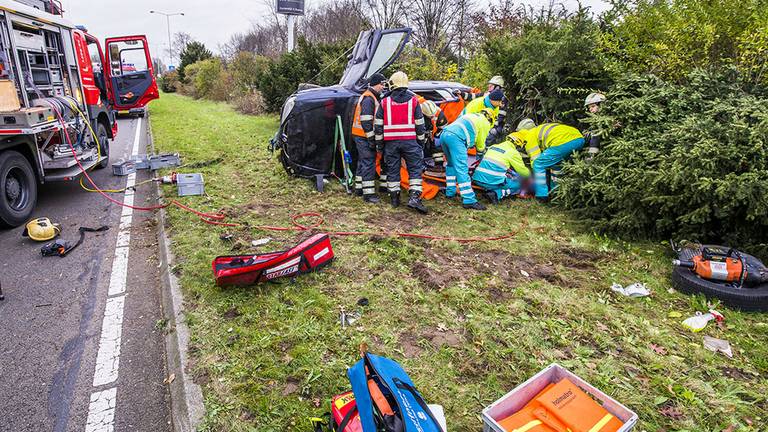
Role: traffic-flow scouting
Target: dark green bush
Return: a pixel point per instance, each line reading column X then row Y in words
column 551, row 65
column 169, row 82
column 679, row 160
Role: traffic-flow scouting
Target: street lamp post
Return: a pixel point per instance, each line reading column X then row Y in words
column 168, row 22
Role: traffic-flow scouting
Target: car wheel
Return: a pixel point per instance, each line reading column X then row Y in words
column 101, row 132
column 745, row 298
column 18, row 189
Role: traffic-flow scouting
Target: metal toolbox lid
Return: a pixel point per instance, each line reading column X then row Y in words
column 515, row 400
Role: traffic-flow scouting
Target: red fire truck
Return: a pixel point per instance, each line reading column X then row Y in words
column 56, row 79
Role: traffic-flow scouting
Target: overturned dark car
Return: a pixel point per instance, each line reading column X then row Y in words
column 307, row 139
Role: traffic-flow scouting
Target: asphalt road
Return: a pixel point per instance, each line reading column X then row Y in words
column 64, row 364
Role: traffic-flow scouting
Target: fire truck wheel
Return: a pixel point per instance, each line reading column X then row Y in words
column 101, row 132
column 745, row 298
column 18, row 189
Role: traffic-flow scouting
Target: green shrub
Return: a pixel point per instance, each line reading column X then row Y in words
column 169, row 81
column 421, row 64
column 669, row 38
column 209, row 80
column 551, row 65
column 317, row 63
column 680, row 160
column 247, row 69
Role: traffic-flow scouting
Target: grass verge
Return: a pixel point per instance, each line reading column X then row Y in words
column 468, row 322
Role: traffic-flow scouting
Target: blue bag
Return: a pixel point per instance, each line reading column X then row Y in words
column 411, row 411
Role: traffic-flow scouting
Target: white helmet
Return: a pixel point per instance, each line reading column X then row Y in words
column 429, row 108
column 526, row 124
column 594, row 98
column 497, row 81
column 398, row 80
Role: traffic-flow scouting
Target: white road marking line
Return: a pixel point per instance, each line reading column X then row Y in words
column 101, row 414
column 108, row 358
column 101, row 411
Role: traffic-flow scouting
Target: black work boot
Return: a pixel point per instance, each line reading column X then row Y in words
column 492, row 197
column 383, row 187
column 394, row 199
column 358, row 192
column 474, row 206
column 414, row 202
column 371, row 198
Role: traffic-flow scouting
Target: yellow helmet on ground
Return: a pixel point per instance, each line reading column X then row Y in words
column 41, row 229
column 398, row 80
column 429, row 108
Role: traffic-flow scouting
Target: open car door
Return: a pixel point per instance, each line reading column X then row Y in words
column 130, row 72
column 374, row 51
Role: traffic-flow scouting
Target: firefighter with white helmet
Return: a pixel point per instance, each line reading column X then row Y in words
column 592, row 104
column 399, row 128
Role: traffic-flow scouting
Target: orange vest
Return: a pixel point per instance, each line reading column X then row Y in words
column 357, row 127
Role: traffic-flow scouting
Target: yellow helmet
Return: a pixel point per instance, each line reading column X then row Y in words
column 398, row 80
column 41, row 229
column 429, row 108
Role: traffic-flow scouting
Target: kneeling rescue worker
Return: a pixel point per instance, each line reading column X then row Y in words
column 491, row 174
column 469, row 130
column 547, row 145
column 363, row 136
column 399, row 128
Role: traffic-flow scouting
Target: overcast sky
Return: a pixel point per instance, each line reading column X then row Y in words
column 211, row 22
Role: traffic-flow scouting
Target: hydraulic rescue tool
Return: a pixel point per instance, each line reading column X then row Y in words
column 724, row 264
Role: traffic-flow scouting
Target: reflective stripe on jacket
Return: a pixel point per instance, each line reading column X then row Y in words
column 546, row 135
column 472, row 128
column 501, row 157
column 399, row 119
column 362, row 121
column 480, row 104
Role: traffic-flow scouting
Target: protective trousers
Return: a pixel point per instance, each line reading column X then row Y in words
column 548, row 159
column 413, row 154
column 507, row 188
column 456, row 168
column 366, row 166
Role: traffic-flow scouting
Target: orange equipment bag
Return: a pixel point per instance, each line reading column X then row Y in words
column 562, row 407
column 344, row 415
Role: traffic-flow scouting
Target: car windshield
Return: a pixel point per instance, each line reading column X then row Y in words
column 364, row 61
column 387, row 48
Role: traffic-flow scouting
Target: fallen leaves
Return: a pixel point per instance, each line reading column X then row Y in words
column 658, row 349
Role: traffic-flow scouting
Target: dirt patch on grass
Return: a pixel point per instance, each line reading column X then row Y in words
column 579, row 258
column 736, row 373
column 440, row 268
column 441, row 338
column 387, row 222
column 410, row 344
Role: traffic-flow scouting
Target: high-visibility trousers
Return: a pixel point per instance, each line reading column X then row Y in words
column 551, row 158
column 457, row 168
column 507, row 188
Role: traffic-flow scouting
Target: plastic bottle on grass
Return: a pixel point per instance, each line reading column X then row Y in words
column 697, row 322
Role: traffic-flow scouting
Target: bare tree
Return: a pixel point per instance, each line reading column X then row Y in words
column 341, row 20
column 386, row 13
column 180, row 41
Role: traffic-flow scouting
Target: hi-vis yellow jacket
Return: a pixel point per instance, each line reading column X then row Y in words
column 544, row 136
